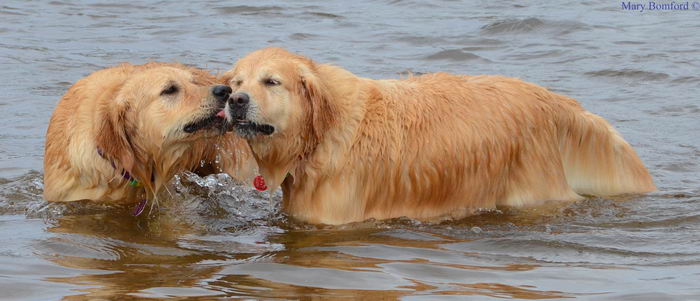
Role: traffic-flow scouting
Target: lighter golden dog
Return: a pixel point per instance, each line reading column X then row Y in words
column 345, row 148
column 121, row 133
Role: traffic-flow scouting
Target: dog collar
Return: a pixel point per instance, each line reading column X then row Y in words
column 132, row 182
column 125, row 174
column 139, row 207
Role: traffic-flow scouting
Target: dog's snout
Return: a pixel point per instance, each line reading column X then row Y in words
column 221, row 92
column 240, row 99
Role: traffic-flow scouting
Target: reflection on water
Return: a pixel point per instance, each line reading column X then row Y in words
column 213, row 239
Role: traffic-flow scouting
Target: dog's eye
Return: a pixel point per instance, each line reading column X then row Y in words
column 271, row 82
column 170, row 90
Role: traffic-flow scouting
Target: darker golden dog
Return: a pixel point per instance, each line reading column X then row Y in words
column 345, row 148
column 121, row 133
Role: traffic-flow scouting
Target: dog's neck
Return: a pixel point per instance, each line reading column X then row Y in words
column 154, row 167
column 274, row 160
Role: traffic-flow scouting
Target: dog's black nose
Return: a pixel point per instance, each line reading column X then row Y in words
column 240, row 99
column 221, row 92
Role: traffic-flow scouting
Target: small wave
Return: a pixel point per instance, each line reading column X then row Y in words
column 250, row 10
column 686, row 80
column 630, row 42
column 677, row 110
column 49, row 90
column 324, row 15
column 215, row 203
column 421, row 40
column 531, row 55
column 60, row 3
column 532, row 25
column 218, row 204
column 681, row 167
column 16, row 194
column 629, row 74
column 675, row 221
column 412, row 3
column 128, row 6
column 569, row 248
column 11, row 11
column 302, row 36
column 456, row 55
column 79, row 246
column 525, row 25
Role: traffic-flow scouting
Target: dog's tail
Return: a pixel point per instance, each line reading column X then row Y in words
column 597, row 160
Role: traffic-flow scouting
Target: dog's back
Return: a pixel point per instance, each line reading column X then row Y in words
column 477, row 142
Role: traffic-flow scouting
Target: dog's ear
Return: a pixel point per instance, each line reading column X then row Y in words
column 112, row 136
column 204, row 78
column 320, row 109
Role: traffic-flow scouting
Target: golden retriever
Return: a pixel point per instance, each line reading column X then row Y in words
column 346, row 148
column 121, row 133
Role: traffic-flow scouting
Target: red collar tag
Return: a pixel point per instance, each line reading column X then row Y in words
column 259, row 183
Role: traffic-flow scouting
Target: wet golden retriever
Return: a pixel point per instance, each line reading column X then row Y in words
column 346, row 148
column 121, row 133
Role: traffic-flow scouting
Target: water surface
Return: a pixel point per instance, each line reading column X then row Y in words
column 641, row 71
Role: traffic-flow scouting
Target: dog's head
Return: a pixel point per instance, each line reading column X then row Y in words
column 278, row 96
column 283, row 106
column 149, row 108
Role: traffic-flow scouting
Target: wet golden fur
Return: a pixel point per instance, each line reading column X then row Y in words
column 429, row 147
column 121, row 111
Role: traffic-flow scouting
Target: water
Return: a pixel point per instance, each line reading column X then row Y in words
column 214, row 240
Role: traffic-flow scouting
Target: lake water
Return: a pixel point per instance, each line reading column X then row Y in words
column 639, row 70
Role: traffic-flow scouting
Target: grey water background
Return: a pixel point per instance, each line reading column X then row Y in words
column 641, row 71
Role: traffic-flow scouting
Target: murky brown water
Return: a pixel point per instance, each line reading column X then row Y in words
column 641, row 71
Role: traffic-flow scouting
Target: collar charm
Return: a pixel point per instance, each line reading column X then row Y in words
column 259, row 183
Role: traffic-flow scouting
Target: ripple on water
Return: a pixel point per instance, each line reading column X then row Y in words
column 251, row 10
column 303, row 36
column 19, row 194
column 246, row 241
column 628, row 74
column 456, row 55
column 324, row 15
column 529, row 25
column 686, row 79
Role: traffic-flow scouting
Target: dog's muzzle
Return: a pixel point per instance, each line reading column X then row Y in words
column 215, row 118
column 238, row 107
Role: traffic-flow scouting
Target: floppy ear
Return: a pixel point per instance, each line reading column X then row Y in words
column 112, row 136
column 320, row 109
column 202, row 77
